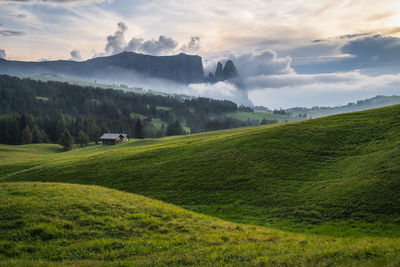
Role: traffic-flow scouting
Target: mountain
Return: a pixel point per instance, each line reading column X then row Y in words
column 219, row 74
column 180, row 68
column 337, row 175
column 227, row 72
column 369, row 103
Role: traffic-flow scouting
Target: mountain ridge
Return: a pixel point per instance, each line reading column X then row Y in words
column 181, row 68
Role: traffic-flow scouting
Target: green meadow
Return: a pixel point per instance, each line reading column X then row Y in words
column 317, row 192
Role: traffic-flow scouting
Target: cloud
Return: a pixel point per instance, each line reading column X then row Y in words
column 264, row 63
column 116, row 43
column 320, row 89
column 164, row 44
column 374, row 50
column 10, row 33
column 296, row 80
column 2, row 53
column 267, row 79
column 375, row 54
column 193, row 45
column 252, row 64
column 220, row 90
column 354, row 35
column 52, row 1
column 75, row 55
column 256, row 71
column 318, row 41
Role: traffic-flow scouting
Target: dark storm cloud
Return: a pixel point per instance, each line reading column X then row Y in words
column 2, row 53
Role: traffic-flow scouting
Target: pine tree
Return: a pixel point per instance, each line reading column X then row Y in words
column 175, row 129
column 66, row 140
column 38, row 135
column 82, row 139
column 139, row 129
column 26, row 136
column 94, row 132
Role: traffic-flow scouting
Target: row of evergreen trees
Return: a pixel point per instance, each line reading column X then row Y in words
column 25, row 129
column 67, row 140
column 36, row 112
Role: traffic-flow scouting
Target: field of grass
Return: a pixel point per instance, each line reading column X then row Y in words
column 56, row 78
column 329, row 186
column 46, row 224
column 75, row 81
column 244, row 116
column 313, row 176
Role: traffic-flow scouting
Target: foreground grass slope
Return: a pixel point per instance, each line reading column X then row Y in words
column 338, row 175
column 45, row 224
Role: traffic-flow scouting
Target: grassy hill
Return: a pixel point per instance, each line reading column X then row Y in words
column 49, row 224
column 337, row 176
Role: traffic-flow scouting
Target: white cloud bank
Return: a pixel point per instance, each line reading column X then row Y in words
column 269, row 80
column 333, row 89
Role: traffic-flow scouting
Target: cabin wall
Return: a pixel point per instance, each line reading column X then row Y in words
column 109, row 142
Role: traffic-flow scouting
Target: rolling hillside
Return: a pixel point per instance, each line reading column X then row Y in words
column 337, row 176
column 46, row 224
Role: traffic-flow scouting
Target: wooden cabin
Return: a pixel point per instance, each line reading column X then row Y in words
column 113, row 138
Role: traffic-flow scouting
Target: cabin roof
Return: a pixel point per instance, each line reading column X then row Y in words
column 112, row 136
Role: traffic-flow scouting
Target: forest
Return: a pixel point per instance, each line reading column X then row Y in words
column 40, row 112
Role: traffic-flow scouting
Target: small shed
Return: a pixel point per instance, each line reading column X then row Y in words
column 113, row 138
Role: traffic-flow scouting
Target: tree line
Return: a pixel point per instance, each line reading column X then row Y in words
column 40, row 112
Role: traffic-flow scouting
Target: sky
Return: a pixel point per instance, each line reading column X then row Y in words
column 288, row 53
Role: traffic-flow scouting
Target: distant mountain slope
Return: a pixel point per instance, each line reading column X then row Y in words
column 45, row 224
column 369, row 103
column 337, row 175
column 180, row 68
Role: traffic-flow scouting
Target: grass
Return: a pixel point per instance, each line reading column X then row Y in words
column 42, row 98
column 157, row 123
column 50, row 224
column 244, row 116
column 56, row 78
column 336, row 176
